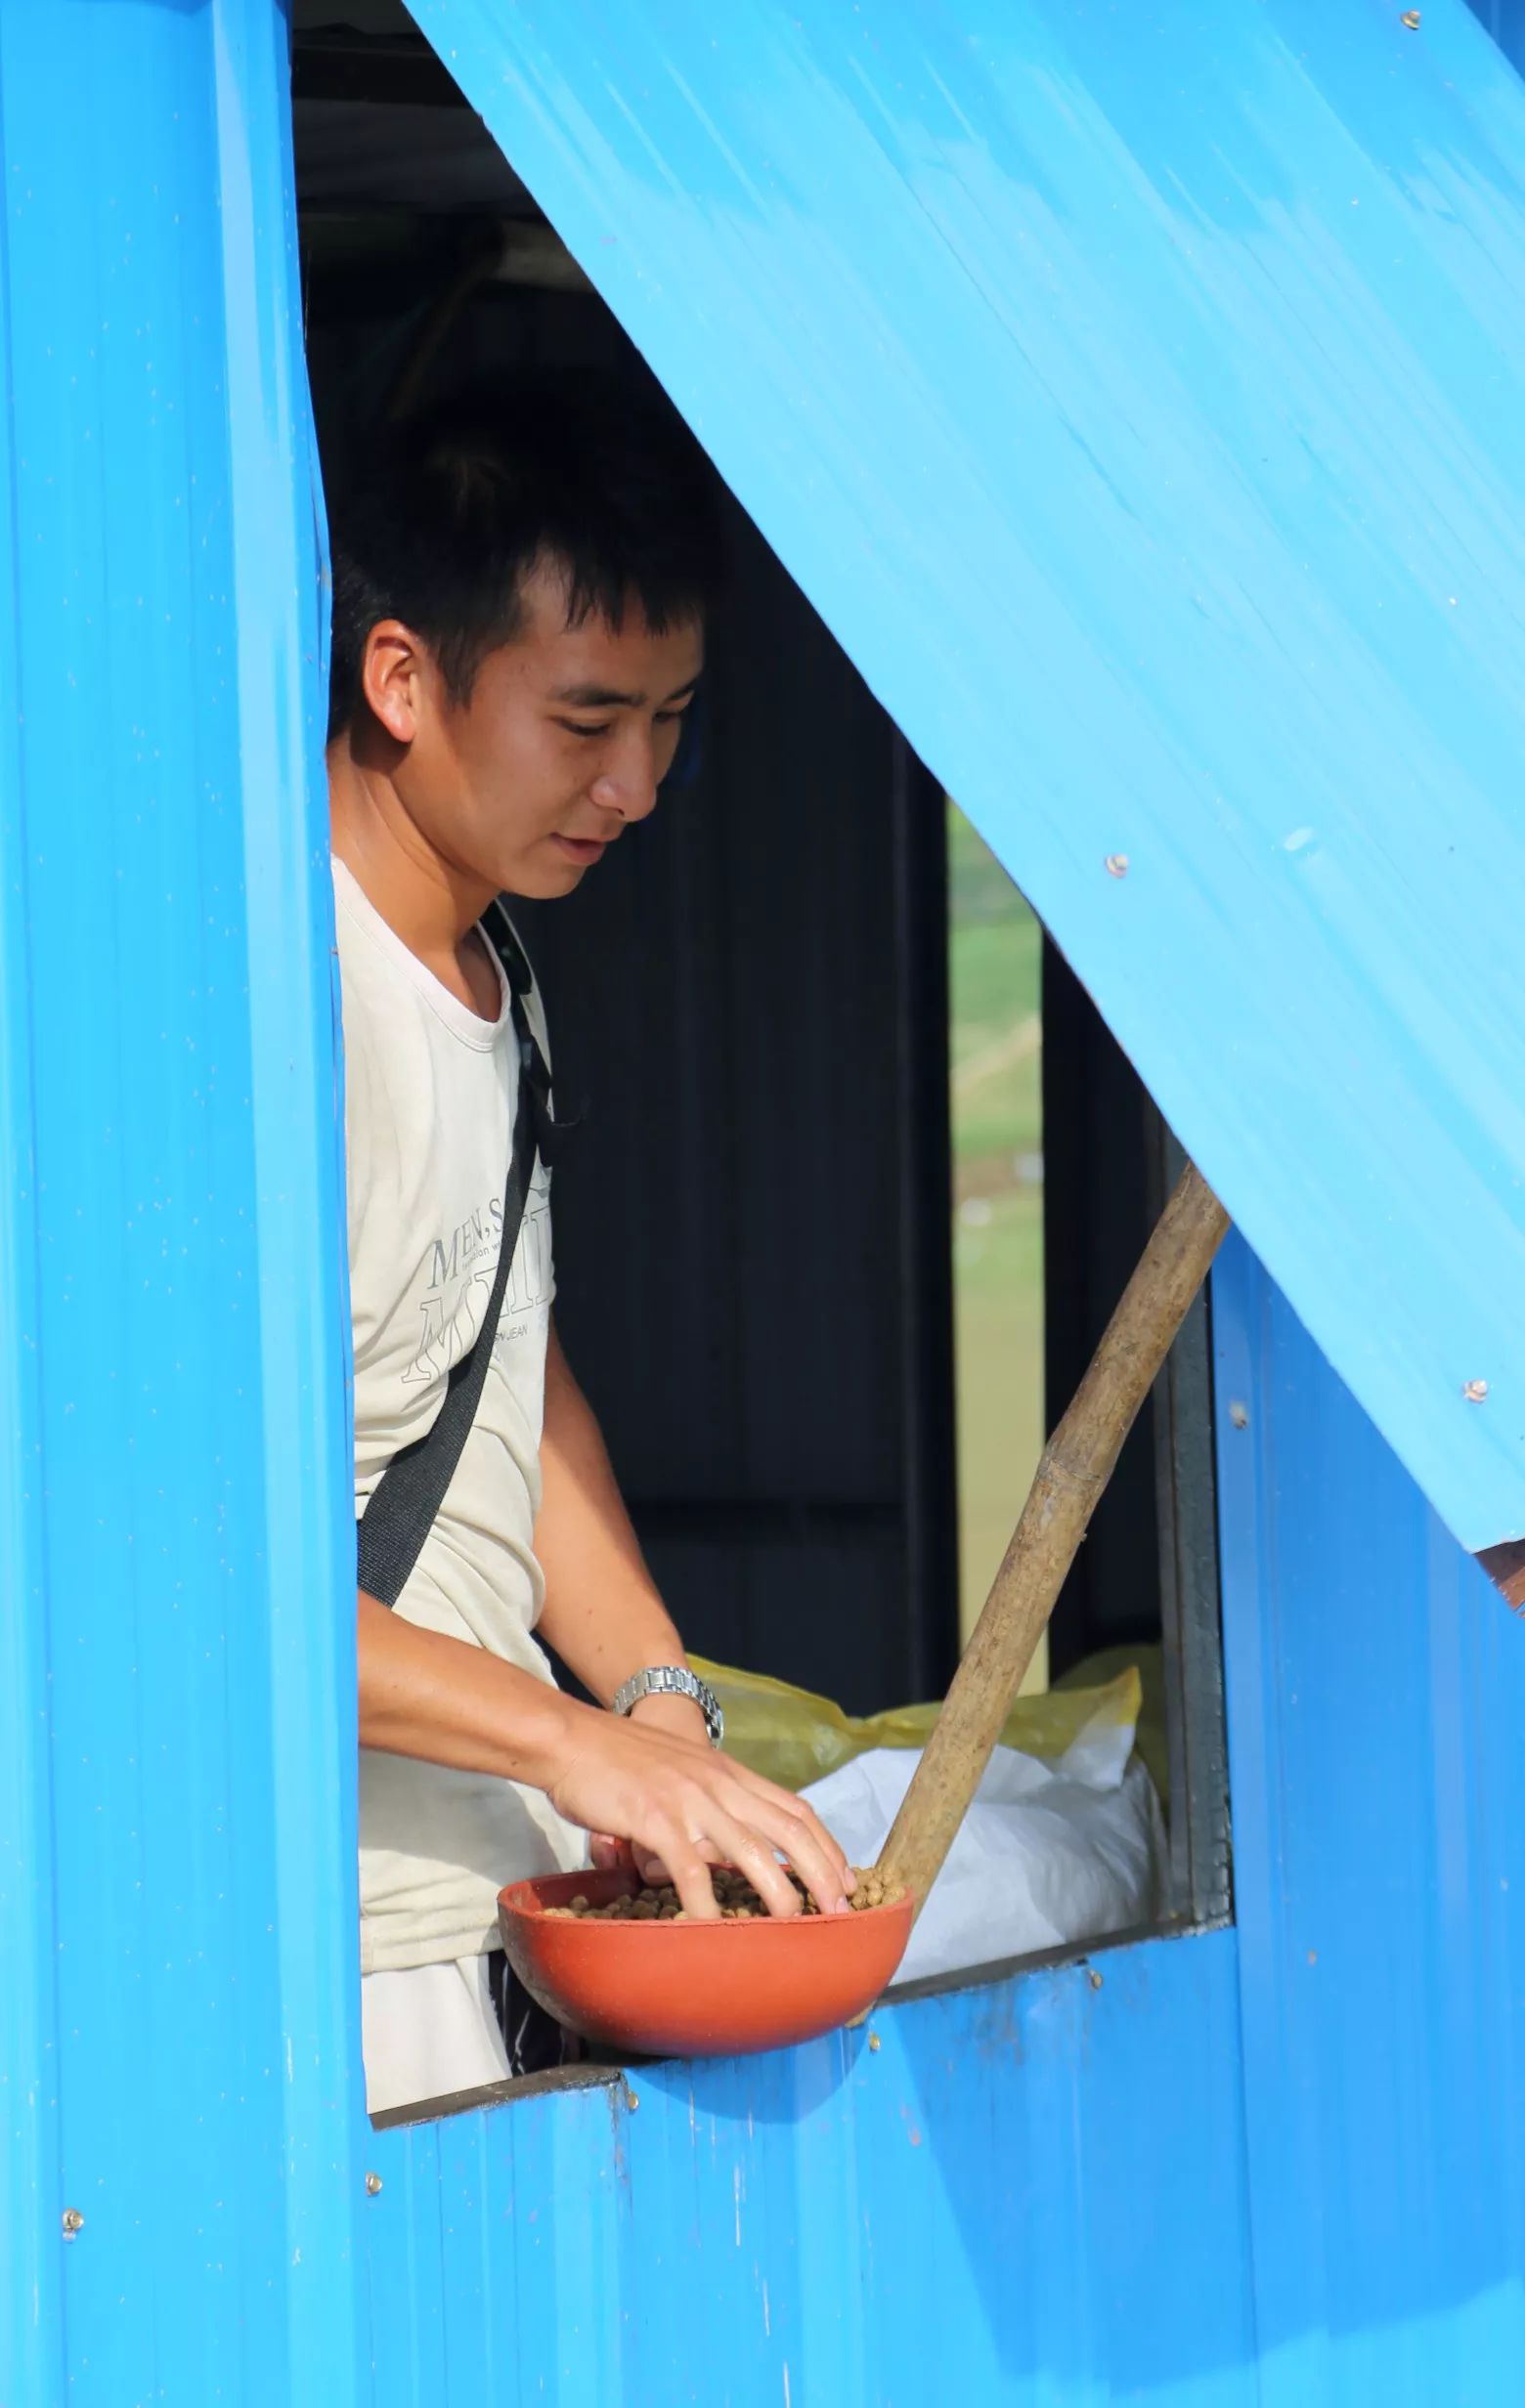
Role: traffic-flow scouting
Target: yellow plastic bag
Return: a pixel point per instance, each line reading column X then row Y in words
column 1149, row 1738
column 793, row 1738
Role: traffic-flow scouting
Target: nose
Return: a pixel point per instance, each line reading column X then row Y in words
column 628, row 782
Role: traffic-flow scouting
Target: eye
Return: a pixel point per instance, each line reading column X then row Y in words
column 583, row 727
column 673, row 718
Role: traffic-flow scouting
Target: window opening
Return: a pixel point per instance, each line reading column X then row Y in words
column 826, row 1393
column 995, row 1045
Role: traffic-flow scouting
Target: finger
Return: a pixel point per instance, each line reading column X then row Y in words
column 688, row 1863
column 795, row 1827
column 821, row 1865
column 608, row 1854
column 753, row 1853
column 814, row 1856
column 800, row 1834
column 752, row 1807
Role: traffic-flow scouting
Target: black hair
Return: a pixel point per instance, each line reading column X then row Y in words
column 456, row 508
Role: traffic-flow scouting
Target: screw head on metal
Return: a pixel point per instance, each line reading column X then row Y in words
column 1094, row 1978
column 632, row 2102
column 72, row 2223
column 373, row 2185
column 1238, row 1414
column 1409, row 21
column 1116, row 865
column 1475, row 1390
column 873, row 2041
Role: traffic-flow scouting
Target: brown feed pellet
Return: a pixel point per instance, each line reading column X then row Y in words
column 735, row 1896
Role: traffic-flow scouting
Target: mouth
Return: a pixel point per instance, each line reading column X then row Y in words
column 583, row 850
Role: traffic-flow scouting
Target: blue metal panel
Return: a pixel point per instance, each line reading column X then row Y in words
column 496, row 2247
column 1275, row 2164
column 31, row 2354
column 176, row 1721
column 1505, row 22
column 1049, row 2192
column 1136, row 392
column 1040, row 2193
column 1028, row 2194
column 1376, row 1692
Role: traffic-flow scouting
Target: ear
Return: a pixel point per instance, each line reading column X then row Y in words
column 391, row 678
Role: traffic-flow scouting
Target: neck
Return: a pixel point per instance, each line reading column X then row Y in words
column 425, row 899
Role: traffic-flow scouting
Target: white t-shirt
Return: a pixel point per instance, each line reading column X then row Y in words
column 430, row 1093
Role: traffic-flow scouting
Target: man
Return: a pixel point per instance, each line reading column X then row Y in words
column 518, row 633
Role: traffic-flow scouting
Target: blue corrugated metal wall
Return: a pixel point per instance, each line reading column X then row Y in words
column 1032, row 2193
column 1270, row 2164
column 1136, row 392
column 1275, row 2164
column 1376, row 1700
column 177, row 1714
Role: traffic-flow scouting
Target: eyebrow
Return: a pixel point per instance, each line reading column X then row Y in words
column 608, row 698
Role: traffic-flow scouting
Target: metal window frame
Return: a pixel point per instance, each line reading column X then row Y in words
column 1200, row 1873
column 1190, row 1603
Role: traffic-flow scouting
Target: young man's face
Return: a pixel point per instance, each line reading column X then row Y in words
column 567, row 735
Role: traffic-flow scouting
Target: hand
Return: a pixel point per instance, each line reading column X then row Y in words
column 684, row 1806
column 665, row 1709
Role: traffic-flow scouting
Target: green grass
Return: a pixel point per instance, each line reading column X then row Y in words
column 994, row 960
column 994, row 956
column 993, row 975
column 979, row 889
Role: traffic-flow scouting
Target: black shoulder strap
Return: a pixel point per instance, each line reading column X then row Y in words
column 400, row 1512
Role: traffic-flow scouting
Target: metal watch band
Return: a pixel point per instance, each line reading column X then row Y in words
column 676, row 1681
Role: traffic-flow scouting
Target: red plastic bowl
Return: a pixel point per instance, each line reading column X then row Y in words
column 696, row 1990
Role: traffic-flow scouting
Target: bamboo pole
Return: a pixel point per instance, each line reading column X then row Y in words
column 1075, row 1467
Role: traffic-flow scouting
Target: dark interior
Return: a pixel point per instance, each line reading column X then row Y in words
column 748, row 1004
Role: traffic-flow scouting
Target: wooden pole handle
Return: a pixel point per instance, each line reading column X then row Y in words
column 1074, row 1469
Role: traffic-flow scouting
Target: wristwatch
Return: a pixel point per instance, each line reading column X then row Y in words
column 674, row 1681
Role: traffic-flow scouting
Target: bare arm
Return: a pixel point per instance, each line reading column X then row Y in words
column 424, row 1694
column 427, row 1695
column 651, row 1778
column 604, row 1615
